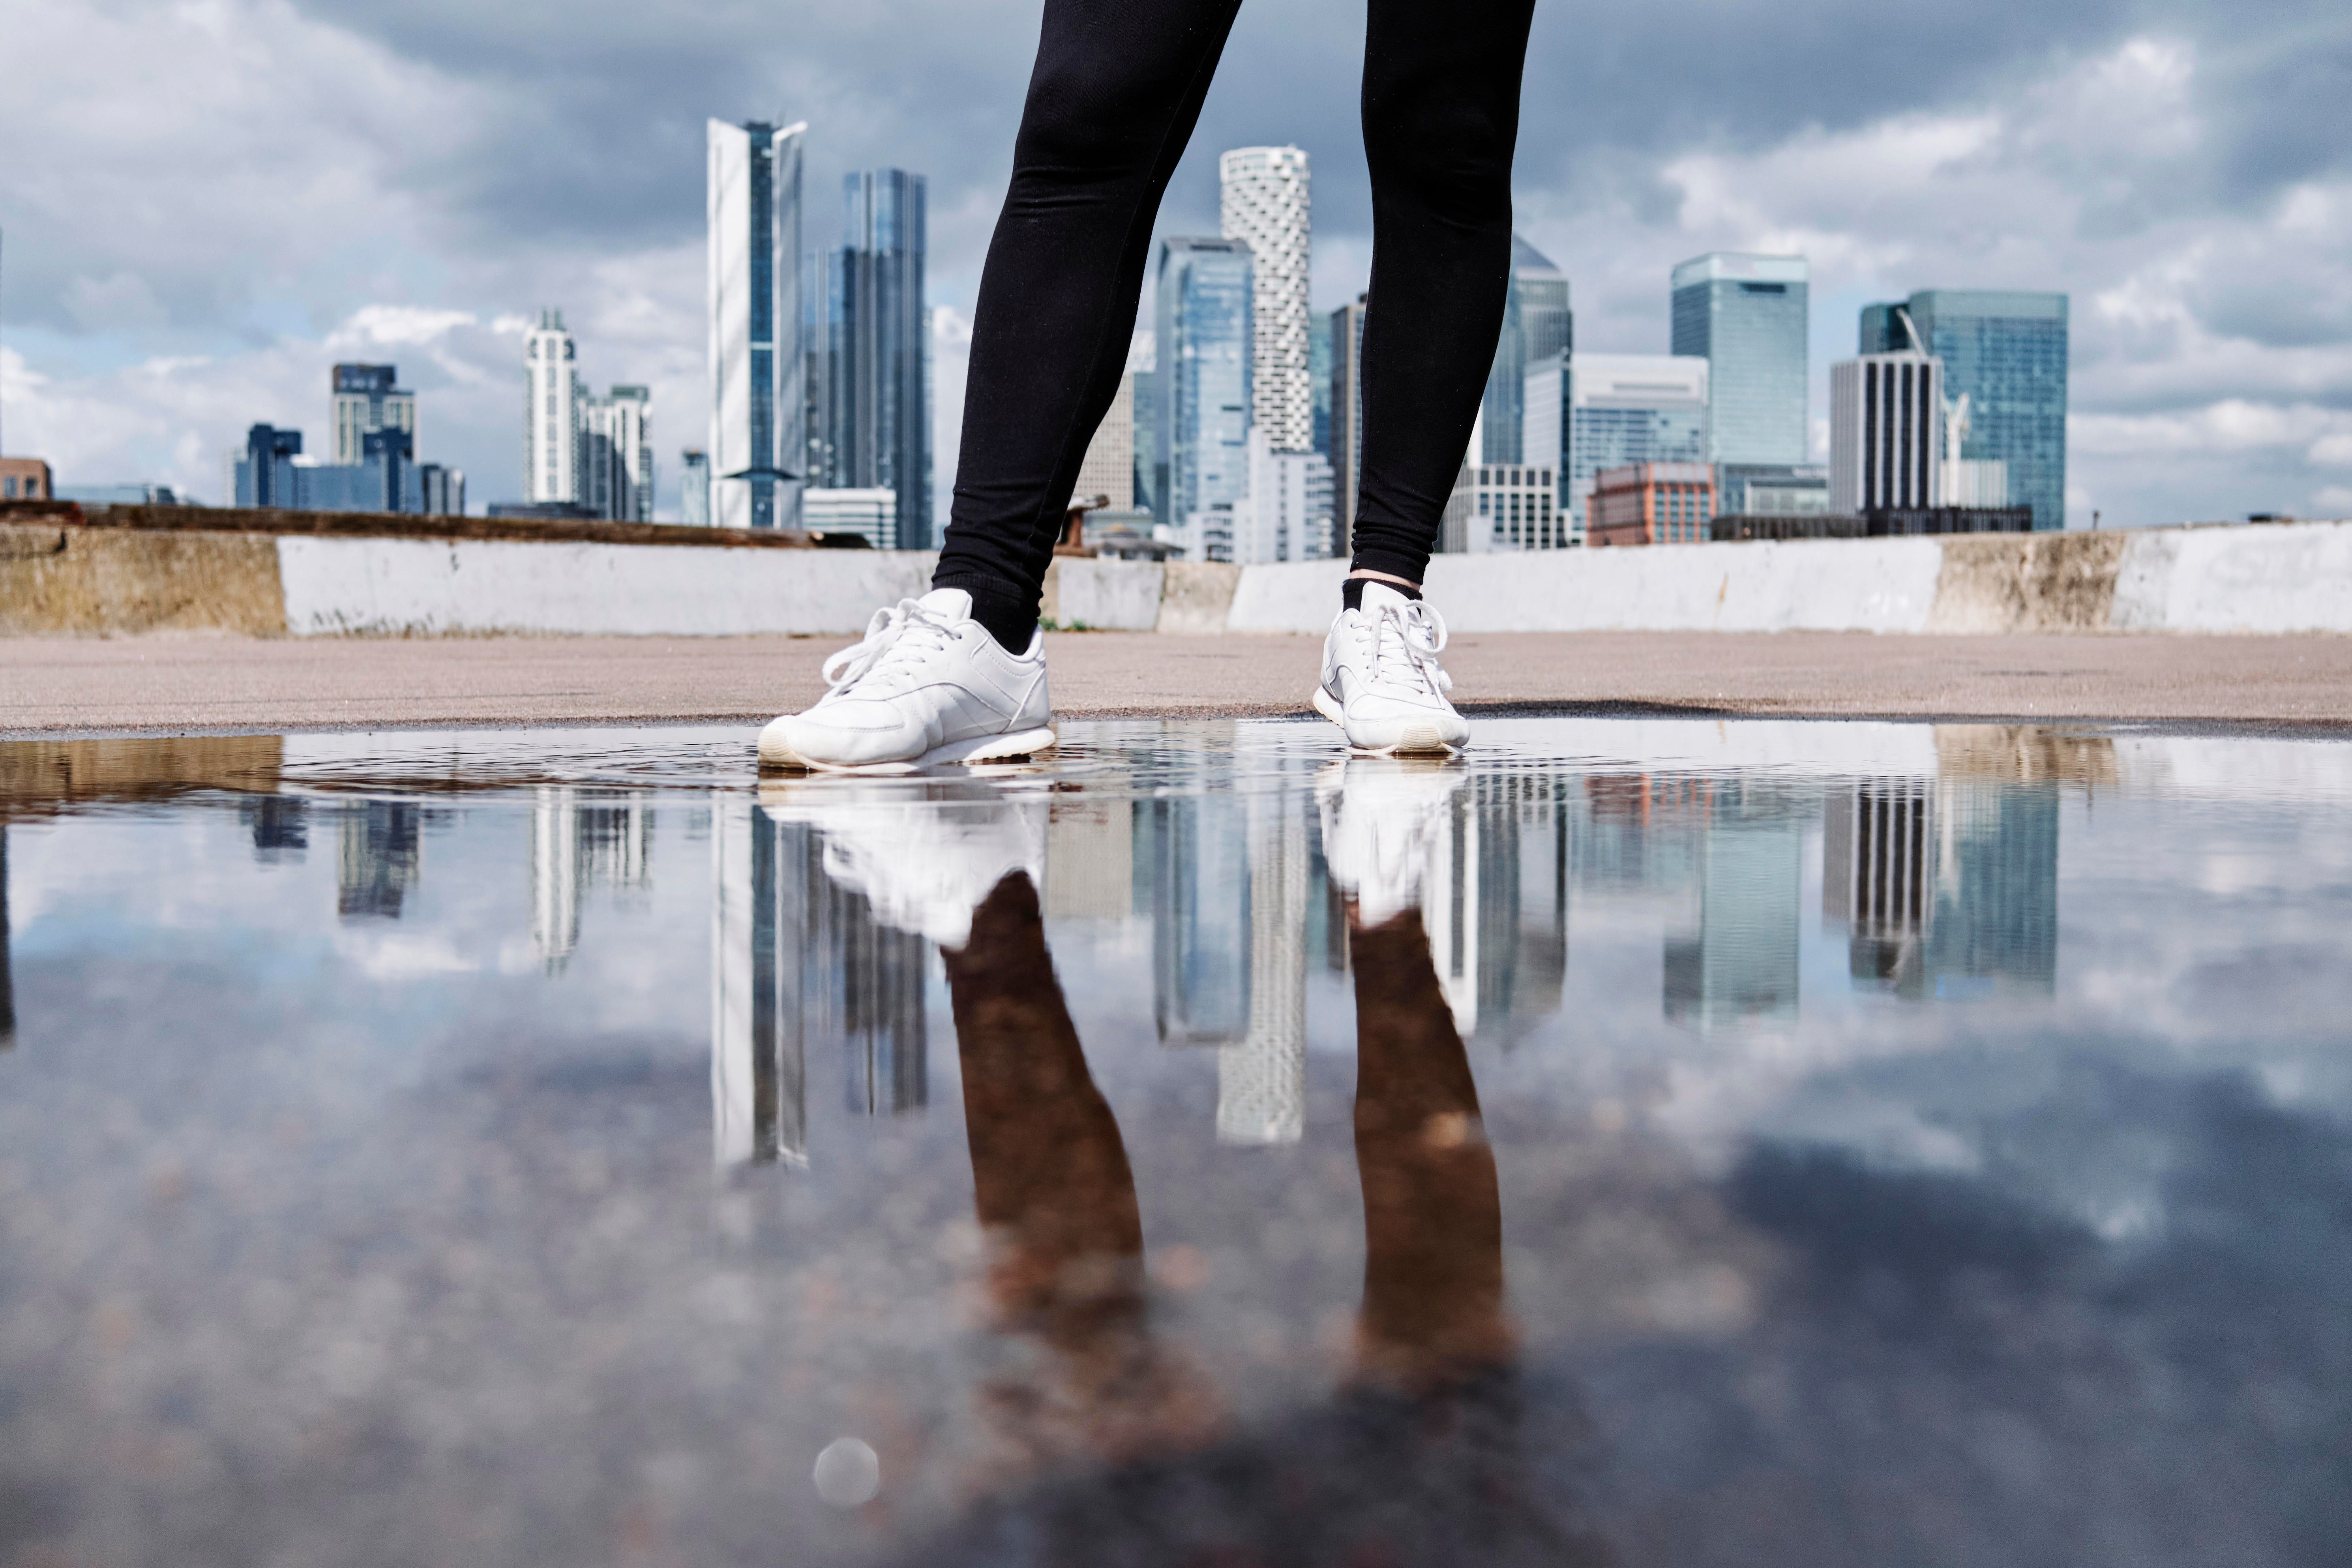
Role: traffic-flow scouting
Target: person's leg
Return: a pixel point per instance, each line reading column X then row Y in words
column 1441, row 109
column 1112, row 101
column 1055, row 1200
column 1432, row 1312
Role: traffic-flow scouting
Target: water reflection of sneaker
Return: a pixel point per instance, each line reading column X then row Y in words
column 1382, row 818
column 1381, row 681
column 929, row 685
column 924, row 853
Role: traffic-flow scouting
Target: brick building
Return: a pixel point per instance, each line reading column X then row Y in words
column 1652, row 503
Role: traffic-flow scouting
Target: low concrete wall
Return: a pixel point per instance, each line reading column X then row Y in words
column 410, row 587
column 59, row 580
column 2293, row 577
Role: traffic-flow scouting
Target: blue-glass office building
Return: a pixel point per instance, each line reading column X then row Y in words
column 1536, row 330
column 2006, row 351
column 867, row 328
column 1745, row 316
column 1204, row 324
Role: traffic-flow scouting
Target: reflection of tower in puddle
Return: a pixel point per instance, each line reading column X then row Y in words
column 378, row 847
column 1191, row 860
column 1945, row 888
column 1741, row 966
column 1262, row 1079
column 7, row 975
column 796, row 957
column 1495, row 903
column 580, row 840
column 281, row 827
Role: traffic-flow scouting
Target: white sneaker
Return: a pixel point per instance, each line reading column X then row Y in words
column 1381, row 681
column 929, row 685
column 1384, row 822
column 926, row 852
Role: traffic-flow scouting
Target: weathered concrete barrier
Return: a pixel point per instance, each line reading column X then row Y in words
column 69, row 579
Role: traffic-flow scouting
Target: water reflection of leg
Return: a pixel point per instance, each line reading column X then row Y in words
column 1432, row 1311
column 1056, row 1200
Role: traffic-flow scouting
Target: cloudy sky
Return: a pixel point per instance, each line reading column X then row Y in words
column 206, row 203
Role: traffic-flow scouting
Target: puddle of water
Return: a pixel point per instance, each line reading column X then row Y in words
column 1650, row 1142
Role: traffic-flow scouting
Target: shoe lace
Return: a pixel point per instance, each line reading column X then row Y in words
column 1406, row 640
column 896, row 640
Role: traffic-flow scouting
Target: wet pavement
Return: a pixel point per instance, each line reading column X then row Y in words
column 1640, row 1143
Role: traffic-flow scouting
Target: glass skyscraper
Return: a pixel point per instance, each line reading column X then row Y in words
column 1535, row 328
column 757, row 402
column 1745, row 315
column 1204, row 336
column 867, row 330
column 2005, row 351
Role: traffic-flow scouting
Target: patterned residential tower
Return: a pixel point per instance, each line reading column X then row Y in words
column 1265, row 206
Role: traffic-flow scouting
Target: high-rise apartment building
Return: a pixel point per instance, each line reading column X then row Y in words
column 1536, row 326
column 866, row 341
column 616, row 455
column 1108, row 468
column 1346, row 449
column 367, row 397
column 1745, row 316
column 1265, row 204
column 2006, row 354
column 1886, row 433
column 550, row 414
column 1205, row 309
column 758, row 405
column 1630, row 408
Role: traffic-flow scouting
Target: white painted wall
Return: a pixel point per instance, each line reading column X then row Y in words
column 1109, row 595
column 1874, row 585
column 436, row 587
column 2282, row 577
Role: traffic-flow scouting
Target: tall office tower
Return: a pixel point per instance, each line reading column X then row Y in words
column 554, row 877
column 1630, row 408
column 1745, row 315
column 1886, row 433
column 868, row 346
column 1264, row 204
column 758, row 401
column 694, row 488
column 1108, row 469
column 263, row 474
column 551, row 396
column 1536, row 326
column 1285, row 513
column 1151, row 463
column 1319, row 376
column 367, row 397
column 616, row 455
column 1347, row 451
column 379, row 854
column 1204, row 335
column 2004, row 353
column 1191, row 871
column 1543, row 423
column 1261, row 1078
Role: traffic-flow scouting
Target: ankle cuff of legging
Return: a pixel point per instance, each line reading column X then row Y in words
column 1412, row 569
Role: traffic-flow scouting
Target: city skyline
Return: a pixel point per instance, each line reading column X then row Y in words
column 2208, row 373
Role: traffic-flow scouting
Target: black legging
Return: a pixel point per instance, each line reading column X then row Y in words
column 1117, row 88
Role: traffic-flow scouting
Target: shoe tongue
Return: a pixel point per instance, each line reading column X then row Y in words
column 1376, row 594
column 948, row 604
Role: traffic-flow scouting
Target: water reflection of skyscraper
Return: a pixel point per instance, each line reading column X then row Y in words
column 582, row 839
column 281, row 827
column 1946, row 887
column 797, row 957
column 1741, row 966
column 378, row 847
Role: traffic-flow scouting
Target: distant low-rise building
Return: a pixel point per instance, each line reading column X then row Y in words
column 1630, row 408
column 1772, row 490
column 1652, row 503
column 870, row 511
column 1285, row 513
column 1502, row 507
column 25, row 479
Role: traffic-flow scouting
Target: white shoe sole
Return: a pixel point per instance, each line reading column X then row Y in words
column 981, row 749
column 1418, row 740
